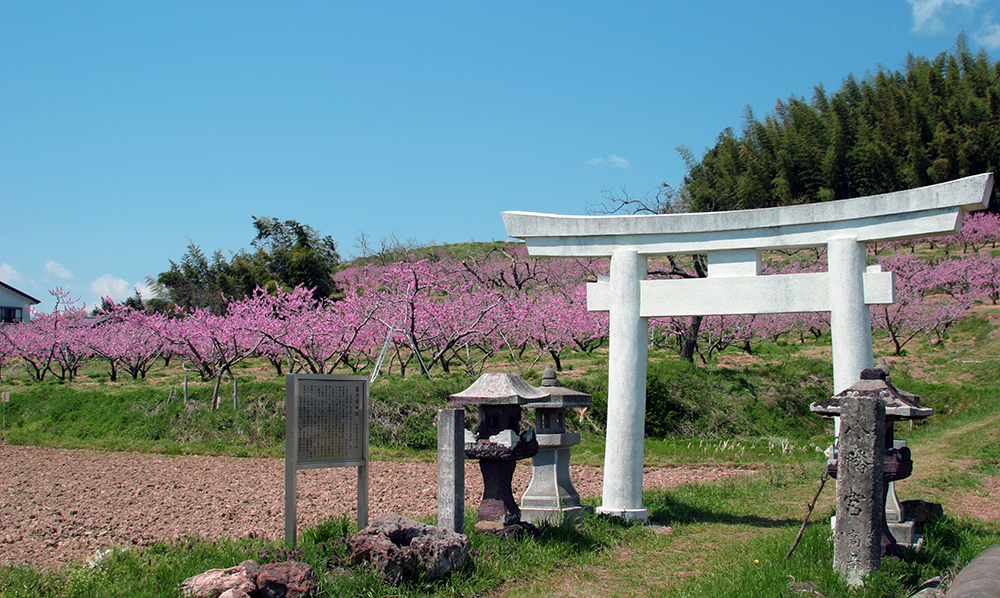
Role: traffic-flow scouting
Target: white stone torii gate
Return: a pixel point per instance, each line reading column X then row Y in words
column 733, row 242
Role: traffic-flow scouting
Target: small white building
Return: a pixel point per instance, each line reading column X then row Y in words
column 14, row 304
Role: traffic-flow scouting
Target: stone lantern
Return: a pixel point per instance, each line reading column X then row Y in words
column 899, row 406
column 550, row 495
column 498, row 443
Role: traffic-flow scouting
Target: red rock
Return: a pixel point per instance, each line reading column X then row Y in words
column 214, row 582
column 402, row 549
column 290, row 579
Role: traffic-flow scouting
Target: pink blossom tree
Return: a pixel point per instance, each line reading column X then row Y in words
column 919, row 309
column 126, row 338
column 210, row 344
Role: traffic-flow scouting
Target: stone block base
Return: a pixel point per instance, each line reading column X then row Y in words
column 555, row 516
column 633, row 514
column 905, row 533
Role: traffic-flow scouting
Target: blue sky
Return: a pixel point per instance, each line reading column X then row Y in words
column 129, row 129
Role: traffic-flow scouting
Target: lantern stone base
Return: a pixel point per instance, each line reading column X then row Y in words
column 550, row 496
column 905, row 533
column 555, row 516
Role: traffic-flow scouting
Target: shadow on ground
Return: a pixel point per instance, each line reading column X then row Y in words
column 669, row 510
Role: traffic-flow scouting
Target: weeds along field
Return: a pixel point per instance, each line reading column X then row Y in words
column 747, row 412
column 766, row 397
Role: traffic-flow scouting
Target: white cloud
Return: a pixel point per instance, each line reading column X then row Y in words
column 57, row 269
column 612, row 160
column 118, row 289
column 109, row 286
column 930, row 16
column 8, row 274
column 988, row 35
column 618, row 161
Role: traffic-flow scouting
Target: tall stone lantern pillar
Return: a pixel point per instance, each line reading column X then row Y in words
column 551, row 496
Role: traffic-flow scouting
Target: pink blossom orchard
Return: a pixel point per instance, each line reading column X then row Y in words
column 448, row 313
column 126, row 339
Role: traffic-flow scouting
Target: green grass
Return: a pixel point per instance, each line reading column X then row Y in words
column 158, row 570
column 759, row 569
column 715, row 405
column 746, row 452
column 708, row 540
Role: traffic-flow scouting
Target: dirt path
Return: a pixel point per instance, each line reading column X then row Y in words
column 58, row 506
column 933, row 460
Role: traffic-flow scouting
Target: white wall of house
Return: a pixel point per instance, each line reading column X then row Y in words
column 10, row 300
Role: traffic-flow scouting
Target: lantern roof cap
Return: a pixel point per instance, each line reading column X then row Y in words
column 875, row 384
column 499, row 389
column 560, row 396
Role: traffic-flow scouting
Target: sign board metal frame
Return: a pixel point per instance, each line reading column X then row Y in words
column 326, row 425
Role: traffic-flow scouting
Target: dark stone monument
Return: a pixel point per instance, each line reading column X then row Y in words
column 857, row 535
column 499, row 444
column 899, row 406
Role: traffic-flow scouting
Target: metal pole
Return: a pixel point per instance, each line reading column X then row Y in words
column 362, row 497
column 381, row 355
column 5, row 398
column 291, row 458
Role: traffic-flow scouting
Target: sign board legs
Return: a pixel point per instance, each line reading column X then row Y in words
column 290, row 496
column 362, row 497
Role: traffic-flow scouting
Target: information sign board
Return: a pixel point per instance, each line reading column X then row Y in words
column 326, row 425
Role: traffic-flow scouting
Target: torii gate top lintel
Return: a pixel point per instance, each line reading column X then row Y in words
column 913, row 213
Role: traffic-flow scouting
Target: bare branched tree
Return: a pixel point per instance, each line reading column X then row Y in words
column 662, row 199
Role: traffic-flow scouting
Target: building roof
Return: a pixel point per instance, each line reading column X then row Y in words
column 28, row 298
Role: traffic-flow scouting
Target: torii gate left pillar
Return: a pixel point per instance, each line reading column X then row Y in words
column 733, row 242
column 627, row 358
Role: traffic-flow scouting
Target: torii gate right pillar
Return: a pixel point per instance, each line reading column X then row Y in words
column 850, row 318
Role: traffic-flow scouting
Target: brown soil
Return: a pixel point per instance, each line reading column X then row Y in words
column 981, row 504
column 58, row 506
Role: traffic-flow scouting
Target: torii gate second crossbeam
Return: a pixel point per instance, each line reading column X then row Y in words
column 733, row 242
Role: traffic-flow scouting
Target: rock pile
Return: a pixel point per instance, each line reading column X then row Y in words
column 400, row 549
column 289, row 579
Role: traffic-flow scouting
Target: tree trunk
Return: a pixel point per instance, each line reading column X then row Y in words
column 555, row 358
column 690, row 345
column 215, row 392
